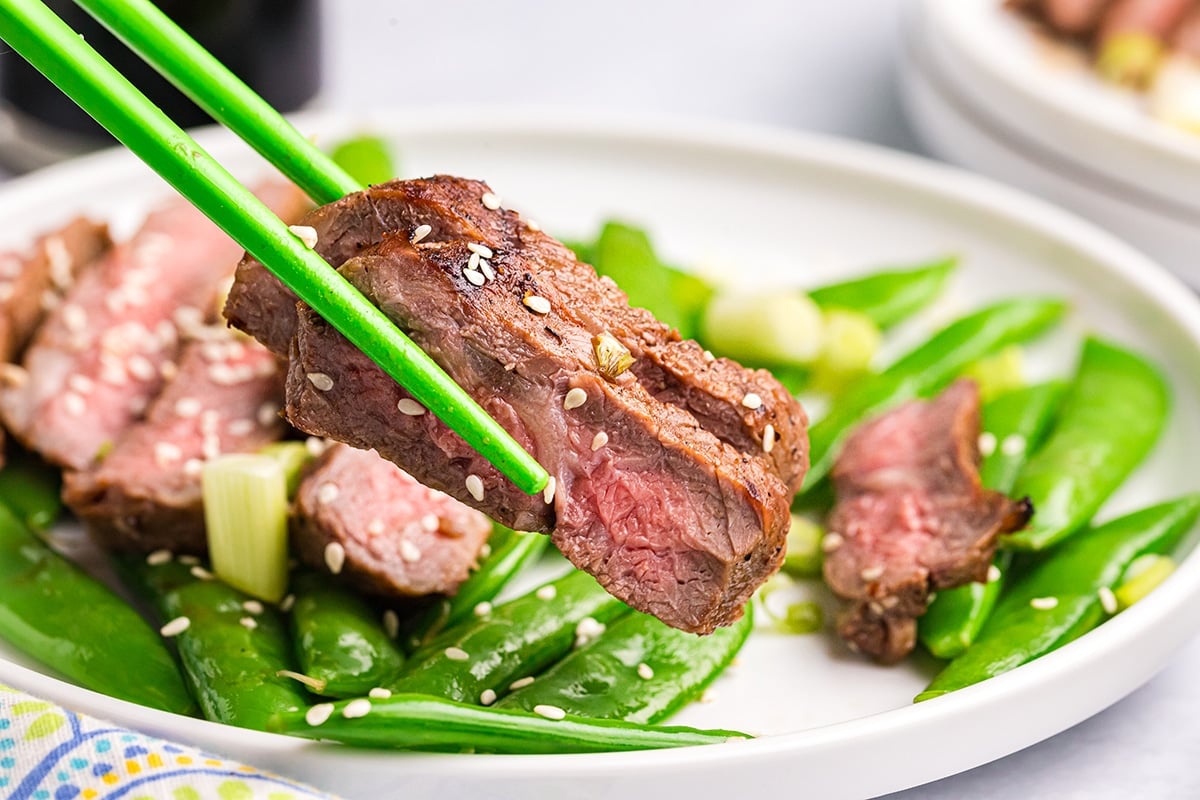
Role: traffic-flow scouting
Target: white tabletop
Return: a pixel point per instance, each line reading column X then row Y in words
column 799, row 64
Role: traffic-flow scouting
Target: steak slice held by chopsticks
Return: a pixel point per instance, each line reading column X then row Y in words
column 670, row 516
column 911, row 518
column 369, row 521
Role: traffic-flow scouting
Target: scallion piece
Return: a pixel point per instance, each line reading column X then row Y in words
column 1143, row 576
column 763, row 328
column 294, row 457
column 246, row 516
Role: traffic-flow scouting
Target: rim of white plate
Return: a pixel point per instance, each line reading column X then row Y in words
column 1166, row 606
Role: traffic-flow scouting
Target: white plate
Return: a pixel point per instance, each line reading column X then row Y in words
column 1012, row 94
column 783, row 209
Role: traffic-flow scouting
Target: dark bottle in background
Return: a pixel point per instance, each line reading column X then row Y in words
column 273, row 45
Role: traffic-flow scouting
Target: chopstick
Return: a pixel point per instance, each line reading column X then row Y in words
column 56, row 51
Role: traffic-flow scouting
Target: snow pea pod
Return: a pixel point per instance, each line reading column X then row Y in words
column 927, row 368
column 413, row 721
column 31, row 489
column 1059, row 599
column 890, row 296
column 515, row 640
column 231, row 654
column 639, row 670
column 1013, row 425
column 339, row 639
column 55, row 613
column 511, row 552
column 1110, row 419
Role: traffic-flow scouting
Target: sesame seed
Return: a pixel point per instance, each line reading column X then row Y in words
column 200, row 573
column 320, row 380
column 473, row 261
column 73, row 404
column 987, row 444
column 306, row 234
column 141, row 368
column 420, row 232
column 188, row 407
column 547, row 592
column 708, row 356
column 831, row 542
column 481, row 249
column 752, row 401
column 588, row 630
column 74, row 318
column 548, row 492
column 485, row 551
column 376, row 527
column 549, row 712
column 189, row 561
column 475, row 487
column 193, row 467
column 391, row 623
column 599, row 440
column 871, row 574
column 409, row 551
column 1108, row 600
column 532, row 225
column 285, row 605
column 1044, row 603
column 993, row 574
column 486, row 269
column 875, row 608
column 430, row 523
column 315, row 446
column 490, row 200
column 379, row 693
column 357, row 708
column 267, row 414
column 166, row 453
column 768, row 438
column 520, row 683
column 645, row 672
column 487, row 697
column 175, row 627
column 327, row 493
column 1013, row 444
column 249, row 623
column 241, row 427
column 474, row 277
column 457, row 654
column 335, row 557
column 318, row 714
column 483, row 609
column 574, row 399
column 537, row 304
column 159, row 557
column 410, row 407
column 253, row 606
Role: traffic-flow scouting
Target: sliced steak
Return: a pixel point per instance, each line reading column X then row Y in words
column 397, row 537
column 911, row 517
column 668, row 517
column 748, row 409
column 145, row 494
column 101, row 356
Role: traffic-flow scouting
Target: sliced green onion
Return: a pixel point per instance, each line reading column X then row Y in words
column 849, row 343
column 368, row 159
column 798, row 617
column 246, row 516
column 763, row 327
column 999, row 374
column 803, row 559
column 294, row 457
column 1142, row 577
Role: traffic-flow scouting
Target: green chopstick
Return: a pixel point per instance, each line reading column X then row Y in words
column 211, row 85
column 56, row 51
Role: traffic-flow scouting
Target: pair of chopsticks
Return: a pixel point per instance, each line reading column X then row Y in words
column 60, row 54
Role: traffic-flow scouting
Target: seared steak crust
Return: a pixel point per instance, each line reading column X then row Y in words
column 911, row 517
column 399, row 538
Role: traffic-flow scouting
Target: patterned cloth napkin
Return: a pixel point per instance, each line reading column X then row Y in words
column 49, row 753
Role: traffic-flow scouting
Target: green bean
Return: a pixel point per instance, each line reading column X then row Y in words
column 232, row 647
column 888, row 297
column 515, row 640
column 368, row 159
column 804, row 556
column 624, row 253
column 55, row 613
column 639, row 670
column 1064, row 596
column 31, row 489
column 1110, row 419
column 413, row 721
column 339, row 640
column 511, row 552
column 926, row 369
column 954, row 619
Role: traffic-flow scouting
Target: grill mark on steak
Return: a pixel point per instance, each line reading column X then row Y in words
column 661, row 514
column 102, row 354
column 673, row 370
column 379, row 518
column 146, row 494
column 912, row 518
